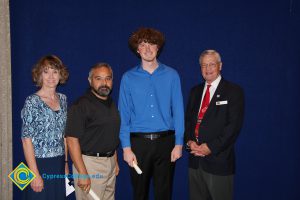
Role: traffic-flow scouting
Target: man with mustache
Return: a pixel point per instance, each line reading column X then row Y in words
column 92, row 133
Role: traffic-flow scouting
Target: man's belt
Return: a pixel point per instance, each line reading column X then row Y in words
column 152, row 135
column 108, row 154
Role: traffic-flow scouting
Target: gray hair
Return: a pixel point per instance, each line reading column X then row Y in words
column 210, row 52
column 99, row 65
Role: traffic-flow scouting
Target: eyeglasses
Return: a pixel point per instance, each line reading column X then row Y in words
column 209, row 65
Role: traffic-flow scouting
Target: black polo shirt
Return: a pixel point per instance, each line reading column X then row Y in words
column 95, row 122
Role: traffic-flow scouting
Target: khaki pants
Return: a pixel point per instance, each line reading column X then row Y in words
column 103, row 182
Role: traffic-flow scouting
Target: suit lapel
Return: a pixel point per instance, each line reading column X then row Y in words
column 214, row 99
column 196, row 102
column 198, row 97
column 200, row 94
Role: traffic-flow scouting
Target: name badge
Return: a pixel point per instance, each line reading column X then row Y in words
column 218, row 103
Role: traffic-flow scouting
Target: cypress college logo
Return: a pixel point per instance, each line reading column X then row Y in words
column 21, row 176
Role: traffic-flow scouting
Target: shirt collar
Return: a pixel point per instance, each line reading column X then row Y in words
column 215, row 83
column 107, row 102
column 159, row 68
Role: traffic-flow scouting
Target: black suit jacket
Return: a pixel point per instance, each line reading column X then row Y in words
column 219, row 128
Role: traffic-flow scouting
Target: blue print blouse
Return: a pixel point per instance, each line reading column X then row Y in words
column 44, row 126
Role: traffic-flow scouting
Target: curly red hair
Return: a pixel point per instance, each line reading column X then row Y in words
column 148, row 35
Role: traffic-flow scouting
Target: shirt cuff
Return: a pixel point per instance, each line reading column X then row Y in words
column 178, row 140
column 125, row 144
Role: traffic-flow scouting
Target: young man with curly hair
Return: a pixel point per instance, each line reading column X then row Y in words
column 152, row 117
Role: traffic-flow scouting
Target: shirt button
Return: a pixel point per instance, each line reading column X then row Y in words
column 151, row 106
column 151, row 95
column 152, row 116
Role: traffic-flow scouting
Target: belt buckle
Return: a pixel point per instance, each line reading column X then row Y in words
column 98, row 154
column 151, row 137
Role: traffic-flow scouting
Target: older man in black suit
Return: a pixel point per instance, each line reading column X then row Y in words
column 214, row 117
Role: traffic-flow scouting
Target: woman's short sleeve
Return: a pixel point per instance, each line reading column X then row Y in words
column 28, row 115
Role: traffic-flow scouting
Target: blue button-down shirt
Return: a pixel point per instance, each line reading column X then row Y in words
column 151, row 103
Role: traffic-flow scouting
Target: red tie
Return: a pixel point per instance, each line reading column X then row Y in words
column 204, row 106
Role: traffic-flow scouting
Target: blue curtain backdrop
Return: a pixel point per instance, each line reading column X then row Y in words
column 258, row 41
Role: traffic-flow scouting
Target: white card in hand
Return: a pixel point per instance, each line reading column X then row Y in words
column 94, row 195
column 69, row 188
column 137, row 169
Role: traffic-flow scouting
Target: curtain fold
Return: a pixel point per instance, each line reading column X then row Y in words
column 5, row 103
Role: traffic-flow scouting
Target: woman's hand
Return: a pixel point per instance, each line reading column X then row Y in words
column 37, row 184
